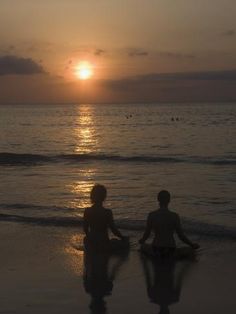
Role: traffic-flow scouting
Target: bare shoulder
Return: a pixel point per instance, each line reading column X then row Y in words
column 152, row 214
column 108, row 211
column 174, row 215
column 87, row 211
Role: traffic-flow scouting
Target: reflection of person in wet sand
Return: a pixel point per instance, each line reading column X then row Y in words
column 100, row 270
column 164, row 223
column 98, row 221
column 164, row 281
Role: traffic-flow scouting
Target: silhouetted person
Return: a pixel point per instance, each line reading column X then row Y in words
column 164, row 281
column 97, row 222
column 164, row 223
column 99, row 274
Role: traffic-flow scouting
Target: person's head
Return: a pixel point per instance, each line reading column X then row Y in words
column 98, row 194
column 163, row 198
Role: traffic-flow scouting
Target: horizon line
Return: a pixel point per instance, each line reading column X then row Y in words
column 119, row 103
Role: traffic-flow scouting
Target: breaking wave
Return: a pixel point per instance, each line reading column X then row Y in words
column 12, row 159
column 191, row 226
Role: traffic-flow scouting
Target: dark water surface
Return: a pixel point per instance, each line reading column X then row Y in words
column 51, row 155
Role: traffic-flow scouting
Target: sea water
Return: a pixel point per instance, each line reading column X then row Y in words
column 52, row 154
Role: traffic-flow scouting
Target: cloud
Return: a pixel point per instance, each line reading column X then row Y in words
column 164, row 54
column 174, row 87
column 132, row 83
column 176, row 55
column 137, row 53
column 40, row 46
column 99, row 52
column 11, row 48
column 7, row 50
column 229, row 33
column 206, row 75
column 18, row 65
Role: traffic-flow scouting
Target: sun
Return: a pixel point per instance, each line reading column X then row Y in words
column 84, row 70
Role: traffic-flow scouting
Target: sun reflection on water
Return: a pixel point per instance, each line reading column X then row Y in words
column 81, row 190
column 85, row 130
column 75, row 254
column 86, row 143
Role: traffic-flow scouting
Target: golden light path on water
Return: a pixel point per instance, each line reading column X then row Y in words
column 85, row 131
column 86, row 142
column 75, row 254
column 81, row 190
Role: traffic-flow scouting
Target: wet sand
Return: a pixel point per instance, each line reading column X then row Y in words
column 42, row 271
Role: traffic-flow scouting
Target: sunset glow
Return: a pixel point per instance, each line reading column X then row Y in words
column 84, row 71
column 97, row 52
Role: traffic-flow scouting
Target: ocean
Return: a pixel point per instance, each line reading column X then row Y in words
column 51, row 156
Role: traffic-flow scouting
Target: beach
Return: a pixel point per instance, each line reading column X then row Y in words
column 51, row 156
column 117, row 122
column 42, row 271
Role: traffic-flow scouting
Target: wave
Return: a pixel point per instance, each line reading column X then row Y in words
column 22, row 159
column 51, row 208
column 12, row 159
column 192, row 227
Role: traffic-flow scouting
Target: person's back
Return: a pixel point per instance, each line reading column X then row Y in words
column 164, row 223
column 97, row 222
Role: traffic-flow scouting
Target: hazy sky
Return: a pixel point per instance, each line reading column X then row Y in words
column 128, row 42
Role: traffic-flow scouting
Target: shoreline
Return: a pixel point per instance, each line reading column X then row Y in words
column 42, row 270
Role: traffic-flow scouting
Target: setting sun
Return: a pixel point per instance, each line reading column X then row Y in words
column 84, row 71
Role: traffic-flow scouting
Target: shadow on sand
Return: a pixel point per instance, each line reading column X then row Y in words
column 164, row 280
column 100, row 270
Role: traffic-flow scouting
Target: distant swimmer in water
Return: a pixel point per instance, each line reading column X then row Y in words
column 129, row 116
column 97, row 222
column 164, row 223
column 174, row 119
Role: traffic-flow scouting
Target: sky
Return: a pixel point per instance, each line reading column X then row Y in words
column 140, row 51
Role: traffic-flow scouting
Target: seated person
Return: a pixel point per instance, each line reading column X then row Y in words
column 97, row 222
column 164, row 223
